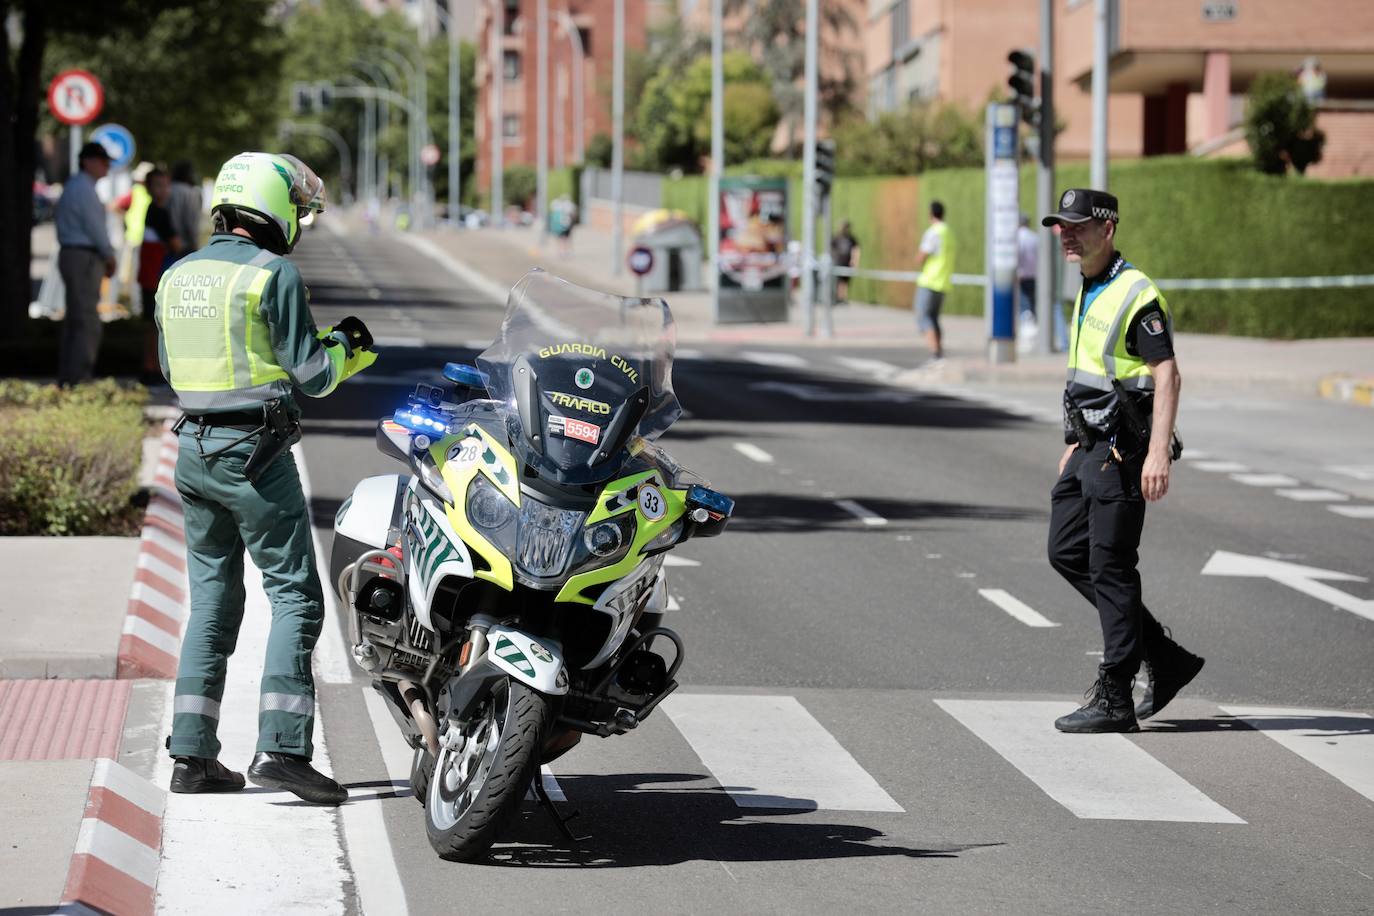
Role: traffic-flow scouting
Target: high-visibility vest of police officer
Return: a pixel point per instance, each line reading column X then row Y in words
column 236, row 339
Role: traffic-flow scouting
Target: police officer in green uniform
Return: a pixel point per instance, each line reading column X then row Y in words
column 1119, row 407
column 236, row 336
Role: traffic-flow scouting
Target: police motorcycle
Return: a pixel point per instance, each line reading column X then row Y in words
column 507, row 595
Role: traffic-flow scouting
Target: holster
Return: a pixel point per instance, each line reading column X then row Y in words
column 279, row 432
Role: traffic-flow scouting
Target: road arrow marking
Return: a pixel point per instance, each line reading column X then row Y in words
column 1304, row 579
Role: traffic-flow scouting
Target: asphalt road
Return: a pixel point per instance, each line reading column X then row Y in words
column 870, row 519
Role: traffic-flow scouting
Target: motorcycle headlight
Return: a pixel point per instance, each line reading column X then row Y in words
column 488, row 507
column 605, row 542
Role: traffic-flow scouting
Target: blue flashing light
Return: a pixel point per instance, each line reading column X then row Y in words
column 418, row 420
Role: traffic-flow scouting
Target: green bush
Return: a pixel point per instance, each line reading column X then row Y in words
column 1188, row 218
column 519, row 185
column 69, row 460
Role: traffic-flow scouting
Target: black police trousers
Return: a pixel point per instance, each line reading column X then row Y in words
column 1096, row 516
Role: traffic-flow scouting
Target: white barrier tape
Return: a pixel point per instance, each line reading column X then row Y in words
column 1343, row 282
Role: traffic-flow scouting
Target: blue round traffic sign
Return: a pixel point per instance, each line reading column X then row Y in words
column 118, row 142
column 641, row 260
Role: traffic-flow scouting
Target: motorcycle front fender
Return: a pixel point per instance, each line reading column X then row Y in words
column 527, row 659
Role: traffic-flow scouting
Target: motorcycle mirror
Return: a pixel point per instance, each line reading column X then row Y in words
column 708, row 511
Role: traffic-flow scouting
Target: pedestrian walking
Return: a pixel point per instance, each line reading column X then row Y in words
column 935, row 261
column 844, row 252
column 562, row 218
column 158, row 247
column 1119, row 408
column 84, row 256
column 236, row 337
column 1027, row 263
column 187, row 205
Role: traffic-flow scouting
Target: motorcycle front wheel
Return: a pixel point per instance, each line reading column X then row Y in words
column 481, row 774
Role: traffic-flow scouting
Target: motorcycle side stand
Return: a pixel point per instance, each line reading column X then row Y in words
column 559, row 820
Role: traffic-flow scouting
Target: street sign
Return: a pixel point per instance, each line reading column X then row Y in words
column 1001, row 220
column 118, row 142
column 75, row 97
column 429, row 154
column 640, row 260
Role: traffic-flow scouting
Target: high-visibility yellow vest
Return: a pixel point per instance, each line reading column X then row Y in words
column 139, row 199
column 213, row 330
column 1097, row 346
column 938, row 268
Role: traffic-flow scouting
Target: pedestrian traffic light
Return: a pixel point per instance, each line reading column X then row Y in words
column 302, row 98
column 825, row 167
column 324, row 96
column 1022, row 82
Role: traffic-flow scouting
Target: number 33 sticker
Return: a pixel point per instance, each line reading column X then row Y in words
column 651, row 503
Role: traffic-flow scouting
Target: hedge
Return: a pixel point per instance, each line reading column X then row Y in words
column 1181, row 217
column 69, row 459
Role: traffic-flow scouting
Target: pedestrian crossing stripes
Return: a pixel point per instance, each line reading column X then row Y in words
column 1341, row 743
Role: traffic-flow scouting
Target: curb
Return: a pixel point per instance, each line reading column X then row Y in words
column 151, row 640
column 1348, row 388
column 118, row 847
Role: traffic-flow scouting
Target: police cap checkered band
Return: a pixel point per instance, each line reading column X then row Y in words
column 1078, row 205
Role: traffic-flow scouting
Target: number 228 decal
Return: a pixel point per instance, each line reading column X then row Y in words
column 651, row 503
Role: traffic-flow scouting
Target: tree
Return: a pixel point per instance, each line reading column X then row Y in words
column 600, row 150
column 32, row 24
column 910, row 141
column 674, row 119
column 519, row 185
column 775, row 31
column 1281, row 125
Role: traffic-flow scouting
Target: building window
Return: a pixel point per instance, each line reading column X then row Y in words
column 510, row 126
column 901, row 28
column 586, row 36
column 512, row 14
column 511, row 71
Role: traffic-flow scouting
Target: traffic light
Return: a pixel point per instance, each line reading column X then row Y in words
column 302, row 98
column 1022, row 83
column 825, row 167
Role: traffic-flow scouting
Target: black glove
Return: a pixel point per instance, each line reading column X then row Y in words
column 358, row 335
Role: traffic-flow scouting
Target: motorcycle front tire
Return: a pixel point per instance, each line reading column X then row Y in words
column 526, row 720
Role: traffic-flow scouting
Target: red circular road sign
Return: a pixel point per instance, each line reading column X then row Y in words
column 75, row 97
column 641, row 260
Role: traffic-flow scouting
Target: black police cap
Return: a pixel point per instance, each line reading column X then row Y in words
column 1078, row 205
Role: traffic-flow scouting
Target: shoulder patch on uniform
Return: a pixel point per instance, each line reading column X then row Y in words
column 1154, row 325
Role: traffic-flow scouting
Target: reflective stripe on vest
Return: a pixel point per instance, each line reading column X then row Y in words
column 938, row 269
column 1097, row 350
column 213, row 329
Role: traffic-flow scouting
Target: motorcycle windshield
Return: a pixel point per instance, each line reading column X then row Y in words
column 579, row 375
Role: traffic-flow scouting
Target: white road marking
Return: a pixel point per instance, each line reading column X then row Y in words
column 1314, row 495
column 1304, row 579
column 332, row 660
column 1016, row 608
column 1099, row 777
column 769, row 752
column 753, row 452
column 462, row 272
column 370, row 852
column 874, row 367
column 771, row 358
column 672, row 605
column 1221, row 467
column 865, row 515
column 1339, row 742
column 1353, row 511
column 1196, row 454
column 687, row 353
column 1358, row 471
column 398, row 342
column 673, row 559
column 374, row 293
column 1266, row 480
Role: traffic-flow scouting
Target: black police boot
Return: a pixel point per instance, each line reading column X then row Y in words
column 295, row 774
column 193, row 775
column 1169, row 667
column 1108, row 707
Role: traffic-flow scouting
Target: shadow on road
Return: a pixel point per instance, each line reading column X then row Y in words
column 1329, row 726
column 633, row 824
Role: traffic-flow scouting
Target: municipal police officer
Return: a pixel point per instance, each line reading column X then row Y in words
column 236, row 337
column 1119, row 408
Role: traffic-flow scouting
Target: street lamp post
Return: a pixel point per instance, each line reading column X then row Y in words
column 808, row 277
column 579, row 54
column 455, row 151
column 717, row 152
column 618, row 150
column 498, row 126
column 285, row 128
column 380, row 79
column 541, row 197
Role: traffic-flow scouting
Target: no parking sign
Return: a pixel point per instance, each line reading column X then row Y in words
column 75, row 97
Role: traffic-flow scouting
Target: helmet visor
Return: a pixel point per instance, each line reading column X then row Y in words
column 307, row 188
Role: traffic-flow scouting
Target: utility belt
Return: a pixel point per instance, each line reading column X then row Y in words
column 276, row 430
column 1128, row 435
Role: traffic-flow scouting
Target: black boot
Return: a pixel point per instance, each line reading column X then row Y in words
column 1108, row 707
column 1169, row 667
column 295, row 774
column 193, row 775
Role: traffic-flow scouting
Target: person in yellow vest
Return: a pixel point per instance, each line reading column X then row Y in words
column 935, row 261
column 1120, row 403
column 236, row 337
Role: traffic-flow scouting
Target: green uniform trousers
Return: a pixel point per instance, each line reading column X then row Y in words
column 224, row 514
